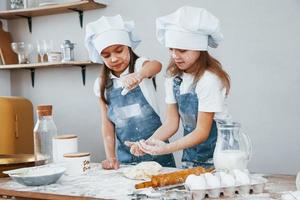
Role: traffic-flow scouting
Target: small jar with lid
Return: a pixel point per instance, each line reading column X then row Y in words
column 54, row 56
column 77, row 163
column 63, row 144
column 44, row 130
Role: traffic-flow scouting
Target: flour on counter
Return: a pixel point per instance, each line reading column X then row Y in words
column 97, row 183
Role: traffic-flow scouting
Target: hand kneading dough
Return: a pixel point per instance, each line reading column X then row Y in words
column 143, row 170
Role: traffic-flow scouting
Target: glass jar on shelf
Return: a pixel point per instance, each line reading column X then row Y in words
column 16, row 4
column 23, row 50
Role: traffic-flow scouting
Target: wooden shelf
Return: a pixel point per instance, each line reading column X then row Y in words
column 46, row 65
column 51, row 9
column 33, row 66
column 28, row 13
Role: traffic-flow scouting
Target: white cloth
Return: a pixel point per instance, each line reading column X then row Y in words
column 210, row 92
column 189, row 28
column 146, row 85
column 108, row 31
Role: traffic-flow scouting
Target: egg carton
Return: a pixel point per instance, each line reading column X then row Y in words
column 257, row 186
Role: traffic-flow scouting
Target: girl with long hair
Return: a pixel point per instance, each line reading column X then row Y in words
column 126, row 92
column 196, row 87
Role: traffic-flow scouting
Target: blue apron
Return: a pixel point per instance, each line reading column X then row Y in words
column 134, row 119
column 201, row 154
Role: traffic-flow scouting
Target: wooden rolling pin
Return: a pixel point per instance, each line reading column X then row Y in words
column 172, row 178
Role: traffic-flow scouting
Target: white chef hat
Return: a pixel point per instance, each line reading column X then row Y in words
column 108, row 31
column 189, row 28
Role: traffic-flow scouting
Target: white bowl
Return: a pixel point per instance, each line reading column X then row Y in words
column 36, row 176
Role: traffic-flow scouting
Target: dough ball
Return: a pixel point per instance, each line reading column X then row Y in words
column 143, row 170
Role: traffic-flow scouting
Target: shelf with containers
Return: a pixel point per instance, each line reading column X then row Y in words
column 77, row 6
column 32, row 66
column 28, row 13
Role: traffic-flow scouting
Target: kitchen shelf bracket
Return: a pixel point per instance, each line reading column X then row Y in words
column 32, row 75
column 83, row 73
column 29, row 22
column 80, row 14
column 32, row 66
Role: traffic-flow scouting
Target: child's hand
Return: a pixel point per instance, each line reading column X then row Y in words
column 154, row 147
column 134, row 148
column 132, row 80
column 110, row 163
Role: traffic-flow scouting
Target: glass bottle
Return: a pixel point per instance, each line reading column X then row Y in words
column 44, row 130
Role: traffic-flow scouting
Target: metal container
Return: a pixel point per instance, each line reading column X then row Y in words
column 67, row 50
column 16, row 4
column 15, row 161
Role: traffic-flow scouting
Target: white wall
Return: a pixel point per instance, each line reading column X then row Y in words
column 260, row 51
column 5, row 83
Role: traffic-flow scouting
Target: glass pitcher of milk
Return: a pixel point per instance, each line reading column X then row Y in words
column 233, row 148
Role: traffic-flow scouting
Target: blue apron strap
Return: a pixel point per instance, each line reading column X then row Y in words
column 176, row 86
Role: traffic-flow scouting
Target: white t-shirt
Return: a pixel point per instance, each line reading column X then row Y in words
column 209, row 89
column 146, row 85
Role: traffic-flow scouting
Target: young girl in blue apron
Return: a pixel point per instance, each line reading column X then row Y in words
column 195, row 89
column 125, row 117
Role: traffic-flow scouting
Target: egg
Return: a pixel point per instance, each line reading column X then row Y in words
column 195, row 182
column 227, row 180
column 241, row 177
column 212, row 181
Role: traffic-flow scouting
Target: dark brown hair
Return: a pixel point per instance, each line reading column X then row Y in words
column 105, row 71
column 204, row 62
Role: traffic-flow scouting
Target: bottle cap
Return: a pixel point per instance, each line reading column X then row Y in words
column 64, row 137
column 44, row 110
